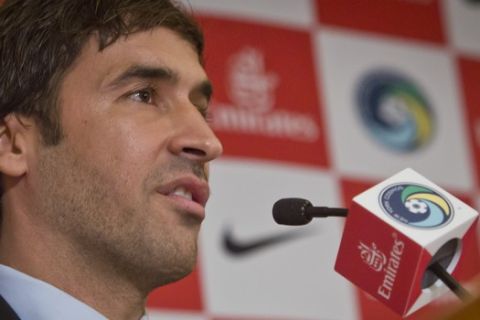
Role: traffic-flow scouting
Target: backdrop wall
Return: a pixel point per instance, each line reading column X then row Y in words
column 322, row 99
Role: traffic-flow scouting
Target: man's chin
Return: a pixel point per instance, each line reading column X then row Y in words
column 171, row 272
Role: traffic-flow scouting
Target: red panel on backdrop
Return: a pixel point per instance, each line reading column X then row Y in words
column 372, row 309
column 266, row 101
column 470, row 75
column 420, row 20
column 181, row 295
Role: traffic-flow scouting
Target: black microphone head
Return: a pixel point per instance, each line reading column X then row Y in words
column 291, row 211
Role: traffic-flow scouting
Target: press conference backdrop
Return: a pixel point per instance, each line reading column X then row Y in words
column 322, row 99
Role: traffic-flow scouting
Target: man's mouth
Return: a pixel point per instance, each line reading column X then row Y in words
column 188, row 193
column 182, row 192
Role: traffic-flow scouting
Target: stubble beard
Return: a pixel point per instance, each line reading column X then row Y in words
column 109, row 235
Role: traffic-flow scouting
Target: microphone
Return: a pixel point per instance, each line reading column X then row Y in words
column 402, row 239
column 297, row 212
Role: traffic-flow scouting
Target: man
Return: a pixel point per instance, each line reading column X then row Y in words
column 103, row 152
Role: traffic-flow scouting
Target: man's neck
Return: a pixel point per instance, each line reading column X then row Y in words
column 60, row 264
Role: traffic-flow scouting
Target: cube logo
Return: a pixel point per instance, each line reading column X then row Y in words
column 395, row 112
column 391, row 268
column 416, row 205
column 263, row 107
column 373, row 257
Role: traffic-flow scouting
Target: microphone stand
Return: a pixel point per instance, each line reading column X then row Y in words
column 450, row 281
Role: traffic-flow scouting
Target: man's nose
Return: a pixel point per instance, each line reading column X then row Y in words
column 194, row 139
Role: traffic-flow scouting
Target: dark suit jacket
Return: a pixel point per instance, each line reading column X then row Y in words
column 6, row 312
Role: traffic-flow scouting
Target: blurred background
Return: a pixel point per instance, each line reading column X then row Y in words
column 322, row 99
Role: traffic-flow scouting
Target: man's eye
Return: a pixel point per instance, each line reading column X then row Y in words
column 206, row 114
column 143, row 96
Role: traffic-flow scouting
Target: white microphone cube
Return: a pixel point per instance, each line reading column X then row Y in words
column 394, row 231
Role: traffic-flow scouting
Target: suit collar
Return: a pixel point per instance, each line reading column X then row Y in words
column 6, row 312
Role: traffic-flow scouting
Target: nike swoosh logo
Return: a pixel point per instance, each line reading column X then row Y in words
column 237, row 247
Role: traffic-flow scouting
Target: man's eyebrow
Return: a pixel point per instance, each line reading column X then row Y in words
column 158, row 73
column 144, row 72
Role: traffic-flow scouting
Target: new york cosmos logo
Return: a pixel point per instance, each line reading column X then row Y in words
column 395, row 111
column 416, row 205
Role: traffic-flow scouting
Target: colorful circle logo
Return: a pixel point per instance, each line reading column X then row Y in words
column 416, row 205
column 394, row 111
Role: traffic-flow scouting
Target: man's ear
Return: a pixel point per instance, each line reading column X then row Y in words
column 14, row 145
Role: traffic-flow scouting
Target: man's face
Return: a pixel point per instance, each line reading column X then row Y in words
column 127, row 184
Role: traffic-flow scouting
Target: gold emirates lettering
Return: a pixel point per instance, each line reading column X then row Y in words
column 391, row 269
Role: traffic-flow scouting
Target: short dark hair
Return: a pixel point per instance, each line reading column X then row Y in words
column 40, row 40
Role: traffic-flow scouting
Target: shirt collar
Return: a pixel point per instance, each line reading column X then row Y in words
column 33, row 299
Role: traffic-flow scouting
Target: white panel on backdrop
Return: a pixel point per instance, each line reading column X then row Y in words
column 184, row 315
column 345, row 60
column 286, row 12
column 463, row 22
column 293, row 279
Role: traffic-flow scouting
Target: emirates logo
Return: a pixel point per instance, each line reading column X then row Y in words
column 253, row 109
column 251, row 87
column 373, row 257
column 379, row 262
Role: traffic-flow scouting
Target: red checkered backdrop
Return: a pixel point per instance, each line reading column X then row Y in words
column 321, row 100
